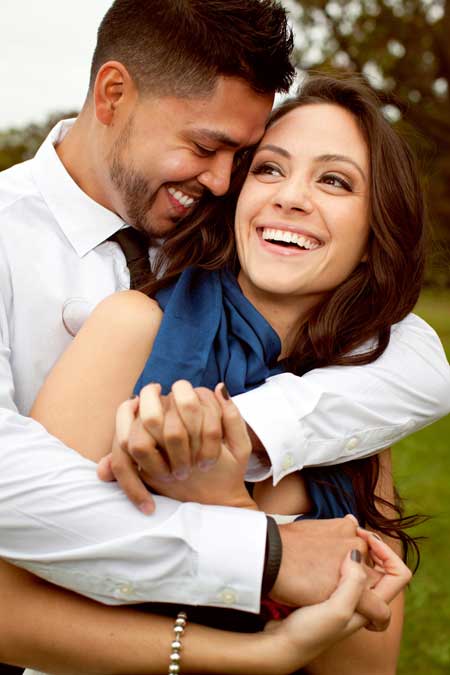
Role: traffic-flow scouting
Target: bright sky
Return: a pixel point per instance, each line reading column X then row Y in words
column 46, row 51
column 47, row 47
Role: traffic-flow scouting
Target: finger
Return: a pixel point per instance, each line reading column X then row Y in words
column 351, row 585
column 191, row 413
column 211, row 430
column 341, row 605
column 374, row 609
column 234, row 428
column 104, row 469
column 151, row 410
column 126, row 473
column 125, row 416
column 397, row 574
column 350, row 518
column 176, row 442
column 142, row 448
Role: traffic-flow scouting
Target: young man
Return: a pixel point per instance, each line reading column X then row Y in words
column 177, row 90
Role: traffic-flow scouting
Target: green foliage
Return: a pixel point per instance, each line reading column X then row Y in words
column 422, row 470
column 402, row 48
column 17, row 145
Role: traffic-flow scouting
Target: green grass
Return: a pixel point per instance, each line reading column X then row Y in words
column 422, row 471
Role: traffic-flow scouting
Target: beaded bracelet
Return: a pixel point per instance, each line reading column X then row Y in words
column 175, row 656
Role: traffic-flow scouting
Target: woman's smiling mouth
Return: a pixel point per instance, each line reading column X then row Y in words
column 288, row 240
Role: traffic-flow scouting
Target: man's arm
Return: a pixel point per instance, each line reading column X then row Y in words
column 60, row 522
column 340, row 413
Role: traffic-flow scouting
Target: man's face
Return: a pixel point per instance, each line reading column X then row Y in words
column 171, row 150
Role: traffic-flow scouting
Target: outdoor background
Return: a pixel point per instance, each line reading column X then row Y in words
column 403, row 49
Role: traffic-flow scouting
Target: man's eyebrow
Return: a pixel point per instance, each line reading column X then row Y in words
column 342, row 158
column 216, row 137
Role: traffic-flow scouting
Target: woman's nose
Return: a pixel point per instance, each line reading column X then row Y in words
column 294, row 197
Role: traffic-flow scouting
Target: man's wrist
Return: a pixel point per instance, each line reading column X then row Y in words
column 273, row 555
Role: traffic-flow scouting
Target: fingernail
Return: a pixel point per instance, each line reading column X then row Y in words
column 206, row 464
column 182, row 472
column 165, row 478
column 224, row 392
column 356, row 555
column 146, row 508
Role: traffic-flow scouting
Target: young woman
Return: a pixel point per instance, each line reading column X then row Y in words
column 329, row 235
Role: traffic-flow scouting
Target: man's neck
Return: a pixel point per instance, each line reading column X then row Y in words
column 77, row 152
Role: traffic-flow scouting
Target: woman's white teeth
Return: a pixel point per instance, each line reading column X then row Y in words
column 289, row 238
column 184, row 200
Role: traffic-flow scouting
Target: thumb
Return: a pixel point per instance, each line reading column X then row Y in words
column 104, row 469
column 234, row 428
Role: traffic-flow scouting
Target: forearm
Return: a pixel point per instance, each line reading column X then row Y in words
column 337, row 414
column 51, row 630
column 78, row 532
column 365, row 652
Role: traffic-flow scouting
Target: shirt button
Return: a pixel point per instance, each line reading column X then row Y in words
column 352, row 443
column 288, row 461
column 125, row 589
column 228, row 596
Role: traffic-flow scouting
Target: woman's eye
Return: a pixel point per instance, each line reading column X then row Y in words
column 336, row 181
column 266, row 170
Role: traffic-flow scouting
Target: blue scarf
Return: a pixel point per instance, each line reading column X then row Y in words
column 211, row 333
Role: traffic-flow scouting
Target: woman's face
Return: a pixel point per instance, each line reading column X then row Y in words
column 302, row 215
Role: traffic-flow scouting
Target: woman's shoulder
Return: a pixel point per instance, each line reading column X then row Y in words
column 125, row 309
column 128, row 302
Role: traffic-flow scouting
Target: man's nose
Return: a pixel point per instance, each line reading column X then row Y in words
column 216, row 177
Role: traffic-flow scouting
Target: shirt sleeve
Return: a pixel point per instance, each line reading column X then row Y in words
column 336, row 414
column 60, row 522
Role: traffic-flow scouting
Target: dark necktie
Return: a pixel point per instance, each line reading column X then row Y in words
column 134, row 245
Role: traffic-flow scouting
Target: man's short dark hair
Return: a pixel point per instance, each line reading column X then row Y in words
column 180, row 47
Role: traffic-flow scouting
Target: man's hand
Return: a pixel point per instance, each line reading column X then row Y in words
column 313, row 551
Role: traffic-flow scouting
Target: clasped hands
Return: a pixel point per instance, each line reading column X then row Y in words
column 193, row 445
column 170, row 443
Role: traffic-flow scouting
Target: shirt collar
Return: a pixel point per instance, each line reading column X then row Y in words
column 85, row 223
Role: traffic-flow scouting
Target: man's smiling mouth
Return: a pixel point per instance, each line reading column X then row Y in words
column 184, row 200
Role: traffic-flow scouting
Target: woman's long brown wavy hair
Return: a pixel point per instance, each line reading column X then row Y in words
column 352, row 324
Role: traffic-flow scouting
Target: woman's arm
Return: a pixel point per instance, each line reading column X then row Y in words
column 50, row 629
column 369, row 652
column 98, row 371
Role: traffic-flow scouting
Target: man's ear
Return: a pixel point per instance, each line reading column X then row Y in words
column 113, row 90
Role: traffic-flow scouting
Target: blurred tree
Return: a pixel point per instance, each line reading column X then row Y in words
column 17, row 145
column 403, row 49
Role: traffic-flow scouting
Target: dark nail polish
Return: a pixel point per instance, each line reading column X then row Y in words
column 356, row 555
column 225, row 393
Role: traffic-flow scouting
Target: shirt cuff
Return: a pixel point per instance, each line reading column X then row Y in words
column 267, row 411
column 231, row 558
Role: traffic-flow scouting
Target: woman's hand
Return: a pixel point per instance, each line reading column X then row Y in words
column 308, row 631
column 135, row 447
column 223, row 484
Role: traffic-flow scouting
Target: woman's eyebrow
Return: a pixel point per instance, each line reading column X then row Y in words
column 274, row 148
column 342, row 158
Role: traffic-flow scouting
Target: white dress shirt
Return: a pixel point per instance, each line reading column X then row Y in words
column 56, row 518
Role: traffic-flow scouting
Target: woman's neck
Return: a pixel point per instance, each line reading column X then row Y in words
column 285, row 313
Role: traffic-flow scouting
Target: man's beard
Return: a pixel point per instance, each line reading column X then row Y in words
column 137, row 196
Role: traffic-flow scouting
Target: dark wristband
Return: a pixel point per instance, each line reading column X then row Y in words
column 272, row 560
